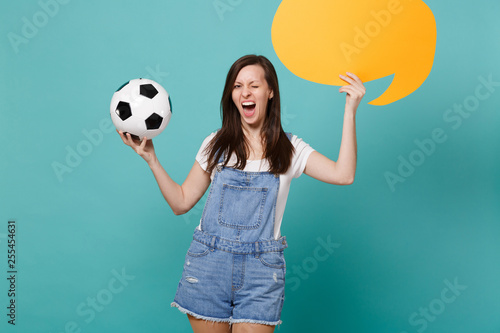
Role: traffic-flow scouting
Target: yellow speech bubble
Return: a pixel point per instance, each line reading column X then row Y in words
column 319, row 39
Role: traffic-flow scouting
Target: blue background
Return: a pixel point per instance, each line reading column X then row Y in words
column 395, row 246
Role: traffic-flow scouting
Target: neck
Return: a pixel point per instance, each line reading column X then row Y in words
column 252, row 132
column 253, row 137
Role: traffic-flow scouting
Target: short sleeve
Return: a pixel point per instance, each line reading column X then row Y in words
column 302, row 153
column 202, row 157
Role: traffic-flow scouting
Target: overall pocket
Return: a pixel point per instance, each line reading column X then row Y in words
column 273, row 259
column 241, row 207
column 197, row 249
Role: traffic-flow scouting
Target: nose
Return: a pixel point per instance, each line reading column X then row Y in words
column 246, row 92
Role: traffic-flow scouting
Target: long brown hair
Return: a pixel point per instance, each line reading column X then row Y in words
column 230, row 138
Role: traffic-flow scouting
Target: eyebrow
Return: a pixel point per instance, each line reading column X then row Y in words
column 253, row 81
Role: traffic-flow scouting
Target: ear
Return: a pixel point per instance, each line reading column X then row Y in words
column 271, row 94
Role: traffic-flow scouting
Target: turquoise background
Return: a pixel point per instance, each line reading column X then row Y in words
column 394, row 247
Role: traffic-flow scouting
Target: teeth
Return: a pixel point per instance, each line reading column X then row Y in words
column 248, row 103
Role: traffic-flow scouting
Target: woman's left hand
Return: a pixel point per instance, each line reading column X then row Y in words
column 355, row 91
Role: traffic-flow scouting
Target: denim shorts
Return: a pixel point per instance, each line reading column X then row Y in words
column 225, row 286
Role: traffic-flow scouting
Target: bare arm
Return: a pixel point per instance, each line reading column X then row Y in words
column 181, row 198
column 343, row 170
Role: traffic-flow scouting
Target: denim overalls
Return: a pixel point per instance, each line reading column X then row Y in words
column 234, row 270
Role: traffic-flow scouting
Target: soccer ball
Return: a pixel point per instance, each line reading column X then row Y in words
column 141, row 107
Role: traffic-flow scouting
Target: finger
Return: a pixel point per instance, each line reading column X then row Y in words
column 346, row 79
column 354, row 76
column 352, row 91
column 143, row 143
column 354, row 87
column 130, row 141
column 349, row 89
column 358, row 83
column 122, row 136
column 353, row 79
column 357, row 86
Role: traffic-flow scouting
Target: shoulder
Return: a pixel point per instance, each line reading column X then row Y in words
column 208, row 138
column 203, row 153
column 211, row 135
column 297, row 143
column 301, row 154
column 205, row 143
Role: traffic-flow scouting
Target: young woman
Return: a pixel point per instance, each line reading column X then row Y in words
column 234, row 271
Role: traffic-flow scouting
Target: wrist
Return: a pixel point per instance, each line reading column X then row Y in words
column 350, row 113
column 153, row 163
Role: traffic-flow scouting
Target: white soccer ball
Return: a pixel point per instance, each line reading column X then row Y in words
column 141, row 107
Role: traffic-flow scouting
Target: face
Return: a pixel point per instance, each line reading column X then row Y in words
column 251, row 94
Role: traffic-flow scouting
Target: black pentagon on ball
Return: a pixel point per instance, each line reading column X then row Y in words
column 123, row 110
column 154, row 121
column 148, row 90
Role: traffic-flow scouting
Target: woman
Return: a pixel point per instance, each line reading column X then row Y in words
column 234, row 271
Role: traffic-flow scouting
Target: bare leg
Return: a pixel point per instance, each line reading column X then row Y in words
column 203, row 326
column 252, row 328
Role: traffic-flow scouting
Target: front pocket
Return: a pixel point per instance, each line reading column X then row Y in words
column 272, row 259
column 197, row 249
column 242, row 207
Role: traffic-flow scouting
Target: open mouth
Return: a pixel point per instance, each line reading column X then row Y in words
column 248, row 108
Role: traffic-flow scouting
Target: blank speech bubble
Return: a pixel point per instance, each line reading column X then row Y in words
column 319, row 39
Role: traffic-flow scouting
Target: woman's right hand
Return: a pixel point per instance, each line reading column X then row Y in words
column 144, row 148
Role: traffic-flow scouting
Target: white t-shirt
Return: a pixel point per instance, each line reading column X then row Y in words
column 299, row 160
